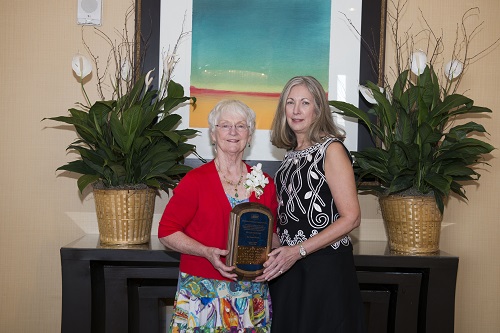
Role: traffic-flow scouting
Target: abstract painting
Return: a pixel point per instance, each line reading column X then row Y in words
column 248, row 50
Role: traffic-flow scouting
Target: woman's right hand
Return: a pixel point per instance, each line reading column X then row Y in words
column 280, row 260
column 182, row 243
column 213, row 255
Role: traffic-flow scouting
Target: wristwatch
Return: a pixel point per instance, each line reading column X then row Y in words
column 302, row 251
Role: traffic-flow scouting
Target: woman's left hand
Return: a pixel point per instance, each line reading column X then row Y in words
column 280, row 260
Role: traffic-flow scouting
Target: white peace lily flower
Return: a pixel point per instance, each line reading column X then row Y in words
column 149, row 79
column 453, row 69
column 169, row 63
column 256, row 181
column 81, row 65
column 367, row 93
column 126, row 71
column 418, row 62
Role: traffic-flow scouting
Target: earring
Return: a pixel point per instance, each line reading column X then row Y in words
column 249, row 145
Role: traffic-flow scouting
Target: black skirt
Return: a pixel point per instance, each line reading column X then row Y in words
column 319, row 294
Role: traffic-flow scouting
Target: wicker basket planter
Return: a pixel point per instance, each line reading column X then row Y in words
column 124, row 217
column 413, row 223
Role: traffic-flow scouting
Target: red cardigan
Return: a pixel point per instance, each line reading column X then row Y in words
column 199, row 208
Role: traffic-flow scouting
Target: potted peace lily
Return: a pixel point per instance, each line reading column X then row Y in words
column 425, row 147
column 128, row 145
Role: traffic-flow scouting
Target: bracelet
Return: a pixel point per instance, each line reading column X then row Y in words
column 302, row 251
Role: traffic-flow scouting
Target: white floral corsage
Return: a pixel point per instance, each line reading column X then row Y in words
column 256, row 181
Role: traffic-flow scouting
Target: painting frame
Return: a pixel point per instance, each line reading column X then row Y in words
column 372, row 36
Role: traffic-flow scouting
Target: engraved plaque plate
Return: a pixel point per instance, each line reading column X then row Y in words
column 249, row 238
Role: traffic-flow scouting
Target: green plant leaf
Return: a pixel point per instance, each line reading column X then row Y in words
column 136, row 93
column 385, row 110
column 86, row 180
column 77, row 166
column 404, row 130
column 179, row 169
column 153, row 182
column 350, row 110
column 439, row 201
column 435, row 89
column 167, row 123
column 118, row 169
column 426, row 88
column 468, row 110
column 174, row 89
column 119, row 132
column 401, row 183
column 399, row 85
column 441, row 112
column 460, row 131
column 184, row 149
column 428, row 135
column 160, row 168
column 188, row 132
column 131, row 119
column 438, row 181
column 458, row 189
column 457, row 170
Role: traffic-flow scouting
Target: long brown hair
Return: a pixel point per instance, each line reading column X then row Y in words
column 282, row 135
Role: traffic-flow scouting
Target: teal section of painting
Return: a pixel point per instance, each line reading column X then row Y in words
column 256, row 46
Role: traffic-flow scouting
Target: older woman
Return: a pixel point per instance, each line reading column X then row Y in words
column 195, row 223
column 318, row 207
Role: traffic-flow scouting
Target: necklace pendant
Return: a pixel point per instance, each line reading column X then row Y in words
column 235, row 194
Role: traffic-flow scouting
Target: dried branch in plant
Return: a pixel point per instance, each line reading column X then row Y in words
column 119, row 64
column 407, row 42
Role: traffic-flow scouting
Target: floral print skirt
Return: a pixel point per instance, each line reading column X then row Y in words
column 206, row 305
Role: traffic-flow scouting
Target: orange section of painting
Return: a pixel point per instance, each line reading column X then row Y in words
column 263, row 104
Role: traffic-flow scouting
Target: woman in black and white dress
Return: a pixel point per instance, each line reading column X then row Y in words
column 314, row 286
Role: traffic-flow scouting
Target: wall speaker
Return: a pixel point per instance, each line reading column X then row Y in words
column 89, row 12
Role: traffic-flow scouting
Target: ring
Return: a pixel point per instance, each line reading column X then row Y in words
column 280, row 271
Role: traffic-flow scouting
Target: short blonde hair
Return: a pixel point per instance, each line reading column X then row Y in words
column 323, row 125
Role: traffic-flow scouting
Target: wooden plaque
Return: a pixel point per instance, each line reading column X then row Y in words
column 249, row 238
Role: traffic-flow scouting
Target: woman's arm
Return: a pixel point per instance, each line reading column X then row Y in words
column 179, row 214
column 180, row 242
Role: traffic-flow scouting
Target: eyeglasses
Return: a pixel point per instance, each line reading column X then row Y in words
column 238, row 127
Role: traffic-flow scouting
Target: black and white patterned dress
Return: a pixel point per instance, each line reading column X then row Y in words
column 320, row 293
column 304, row 196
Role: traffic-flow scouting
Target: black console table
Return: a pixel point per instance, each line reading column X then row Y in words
column 124, row 289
